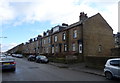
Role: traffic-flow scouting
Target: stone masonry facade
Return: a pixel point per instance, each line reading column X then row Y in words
column 90, row 36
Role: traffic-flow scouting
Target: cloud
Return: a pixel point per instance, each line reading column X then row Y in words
column 5, row 47
column 18, row 12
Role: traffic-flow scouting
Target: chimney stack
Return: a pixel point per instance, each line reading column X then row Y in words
column 83, row 16
column 64, row 24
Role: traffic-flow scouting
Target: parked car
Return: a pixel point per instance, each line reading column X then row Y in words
column 14, row 55
column 42, row 59
column 112, row 68
column 7, row 62
column 31, row 58
column 19, row 56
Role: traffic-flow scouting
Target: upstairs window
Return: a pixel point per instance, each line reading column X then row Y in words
column 75, row 34
column 64, row 36
column 56, row 38
column 49, row 40
column 44, row 41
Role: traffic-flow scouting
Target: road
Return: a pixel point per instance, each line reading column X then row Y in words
column 31, row 71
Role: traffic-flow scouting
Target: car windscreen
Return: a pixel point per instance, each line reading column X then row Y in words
column 42, row 57
column 115, row 63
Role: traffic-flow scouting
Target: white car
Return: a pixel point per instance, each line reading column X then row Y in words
column 19, row 56
column 112, row 68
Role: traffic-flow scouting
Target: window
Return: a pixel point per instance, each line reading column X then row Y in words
column 75, row 34
column 52, row 49
column 40, row 42
column 65, row 47
column 56, row 29
column 64, row 36
column 44, row 41
column 100, row 48
column 49, row 40
column 115, row 62
column 73, row 47
column 56, row 49
column 47, row 50
column 55, row 39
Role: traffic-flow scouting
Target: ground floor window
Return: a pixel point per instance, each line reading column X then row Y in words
column 47, row 50
column 52, row 49
column 100, row 48
column 65, row 47
column 44, row 49
column 56, row 49
column 73, row 47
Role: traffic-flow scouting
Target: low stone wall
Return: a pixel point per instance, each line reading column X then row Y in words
column 67, row 59
column 115, row 51
column 97, row 62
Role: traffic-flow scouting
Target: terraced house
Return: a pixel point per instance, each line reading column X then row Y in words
column 90, row 36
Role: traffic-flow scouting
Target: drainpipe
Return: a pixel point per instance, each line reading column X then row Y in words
column 82, row 42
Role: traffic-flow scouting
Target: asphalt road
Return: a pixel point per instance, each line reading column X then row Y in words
column 31, row 71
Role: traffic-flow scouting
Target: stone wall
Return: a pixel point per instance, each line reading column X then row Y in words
column 97, row 37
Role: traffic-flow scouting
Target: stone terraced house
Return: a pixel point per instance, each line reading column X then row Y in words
column 90, row 36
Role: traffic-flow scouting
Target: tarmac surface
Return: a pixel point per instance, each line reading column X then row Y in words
column 32, row 71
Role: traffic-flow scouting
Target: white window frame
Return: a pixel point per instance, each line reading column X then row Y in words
column 73, row 47
column 52, row 49
column 55, row 38
column 46, row 49
column 65, row 47
column 44, row 41
column 49, row 40
column 56, row 49
column 75, row 34
column 64, row 36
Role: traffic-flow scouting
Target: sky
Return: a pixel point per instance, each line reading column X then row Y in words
column 21, row 20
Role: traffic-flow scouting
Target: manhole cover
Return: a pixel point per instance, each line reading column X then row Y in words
column 33, row 67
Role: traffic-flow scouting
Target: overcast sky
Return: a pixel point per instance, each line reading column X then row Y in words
column 21, row 20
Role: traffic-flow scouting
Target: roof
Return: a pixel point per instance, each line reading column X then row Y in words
column 98, row 14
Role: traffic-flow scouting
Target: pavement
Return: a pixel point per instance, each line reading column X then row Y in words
column 79, row 67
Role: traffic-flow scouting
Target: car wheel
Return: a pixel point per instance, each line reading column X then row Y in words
column 108, row 75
